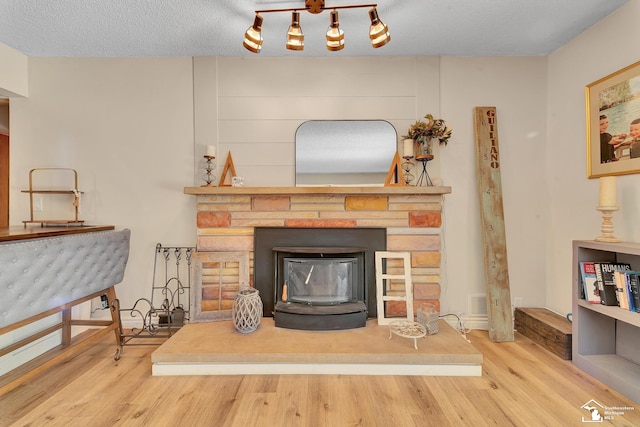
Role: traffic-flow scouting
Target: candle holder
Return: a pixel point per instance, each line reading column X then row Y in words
column 424, row 179
column 407, row 165
column 607, row 224
column 208, row 169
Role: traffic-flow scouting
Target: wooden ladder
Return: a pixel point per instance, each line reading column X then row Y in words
column 382, row 279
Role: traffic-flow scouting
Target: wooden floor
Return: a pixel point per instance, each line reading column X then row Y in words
column 521, row 385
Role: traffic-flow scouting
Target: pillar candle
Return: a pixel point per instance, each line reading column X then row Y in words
column 608, row 191
column 211, row 151
column 408, row 148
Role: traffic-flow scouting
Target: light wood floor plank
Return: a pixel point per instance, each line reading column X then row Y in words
column 522, row 385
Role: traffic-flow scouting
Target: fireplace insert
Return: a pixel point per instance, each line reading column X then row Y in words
column 317, row 278
column 319, row 288
column 319, row 281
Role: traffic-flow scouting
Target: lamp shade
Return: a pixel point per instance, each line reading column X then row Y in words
column 335, row 36
column 253, row 36
column 295, row 37
column 378, row 32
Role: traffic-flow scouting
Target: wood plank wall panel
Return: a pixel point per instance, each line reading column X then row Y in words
column 317, row 77
column 260, row 102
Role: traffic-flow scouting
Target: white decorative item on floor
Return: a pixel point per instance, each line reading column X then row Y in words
column 407, row 329
column 247, row 310
column 427, row 316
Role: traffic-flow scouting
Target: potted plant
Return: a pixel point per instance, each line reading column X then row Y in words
column 423, row 133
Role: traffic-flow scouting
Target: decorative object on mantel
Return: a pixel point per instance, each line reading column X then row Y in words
column 247, row 310
column 607, row 206
column 424, row 178
column 229, row 168
column 378, row 31
column 395, row 173
column 407, row 165
column 423, row 134
column 209, row 157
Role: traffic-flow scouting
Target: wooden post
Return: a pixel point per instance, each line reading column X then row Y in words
column 492, row 222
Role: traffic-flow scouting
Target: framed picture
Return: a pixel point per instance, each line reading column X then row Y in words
column 613, row 123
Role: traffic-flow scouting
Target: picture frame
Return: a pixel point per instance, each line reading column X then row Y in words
column 614, row 102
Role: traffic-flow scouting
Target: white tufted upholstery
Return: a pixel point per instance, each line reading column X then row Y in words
column 41, row 274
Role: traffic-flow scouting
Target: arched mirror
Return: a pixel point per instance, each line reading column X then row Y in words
column 344, row 152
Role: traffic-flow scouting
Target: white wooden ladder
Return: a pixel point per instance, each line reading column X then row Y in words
column 382, row 285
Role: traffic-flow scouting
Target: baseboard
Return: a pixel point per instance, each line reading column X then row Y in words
column 472, row 322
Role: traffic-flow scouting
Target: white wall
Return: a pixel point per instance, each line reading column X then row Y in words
column 601, row 50
column 516, row 87
column 126, row 126
column 13, row 72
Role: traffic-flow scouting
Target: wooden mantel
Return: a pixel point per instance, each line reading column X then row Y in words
column 393, row 190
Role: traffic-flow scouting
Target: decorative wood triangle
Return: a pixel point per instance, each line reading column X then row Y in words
column 228, row 168
column 395, row 171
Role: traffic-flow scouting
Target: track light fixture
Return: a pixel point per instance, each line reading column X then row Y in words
column 335, row 36
column 295, row 37
column 378, row 31
column 253, row 36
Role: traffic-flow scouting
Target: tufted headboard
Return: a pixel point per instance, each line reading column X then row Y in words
column 41, row 274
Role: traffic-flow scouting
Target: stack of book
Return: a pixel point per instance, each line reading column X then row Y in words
column 611, row 283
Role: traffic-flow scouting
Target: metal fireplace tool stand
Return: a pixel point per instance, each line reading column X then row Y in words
column 168, row 308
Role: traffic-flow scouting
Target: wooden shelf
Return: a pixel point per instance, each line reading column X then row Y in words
column 606, row 339
column 613, row 312
column 405, row 190
column 50, row 191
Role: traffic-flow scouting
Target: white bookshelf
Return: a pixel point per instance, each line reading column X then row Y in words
column 606, row 339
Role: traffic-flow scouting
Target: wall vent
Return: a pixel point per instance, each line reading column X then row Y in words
column 477, row 305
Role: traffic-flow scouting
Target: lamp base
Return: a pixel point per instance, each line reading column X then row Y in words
column 607, row 224
column 606, row 239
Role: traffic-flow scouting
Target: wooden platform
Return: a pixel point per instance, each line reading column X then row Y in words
column 546, row 328
column 216, row 348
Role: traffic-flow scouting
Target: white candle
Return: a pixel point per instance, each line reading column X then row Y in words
column 211, row 151
column 608, row 191
column 408, row 148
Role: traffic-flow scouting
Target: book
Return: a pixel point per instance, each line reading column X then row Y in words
column 620, row 282
column 606, row 284
column 633, row 278
column 630, row 297
column 589, row 284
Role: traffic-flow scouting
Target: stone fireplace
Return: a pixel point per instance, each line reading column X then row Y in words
column 227, row 218
column 317, row 279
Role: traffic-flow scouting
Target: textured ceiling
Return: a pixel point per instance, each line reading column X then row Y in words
column 216, row 27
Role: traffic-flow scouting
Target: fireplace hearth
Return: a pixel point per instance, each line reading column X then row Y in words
column 317, row 278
